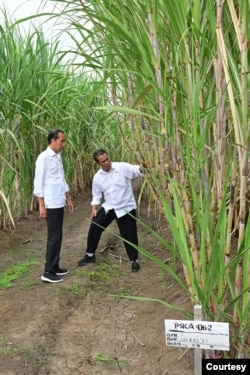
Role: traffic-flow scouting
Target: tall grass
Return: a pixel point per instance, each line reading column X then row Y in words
column 177, row 80
column 39, row 92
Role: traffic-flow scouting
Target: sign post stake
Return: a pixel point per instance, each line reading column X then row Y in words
column 197, row 352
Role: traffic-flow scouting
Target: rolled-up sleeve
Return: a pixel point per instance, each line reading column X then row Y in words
column 132, row 171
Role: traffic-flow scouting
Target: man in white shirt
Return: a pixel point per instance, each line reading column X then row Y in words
column 52, row 192
column 113, row 182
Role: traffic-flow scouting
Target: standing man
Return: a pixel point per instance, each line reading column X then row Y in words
column 52, row 193
column 113, row 182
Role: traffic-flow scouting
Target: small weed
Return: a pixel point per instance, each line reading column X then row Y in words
column 1, row 339
column 58, row 292
column 101, row 274
column 103, row 358
column 74, row 289
column 79, row 272
column 10, row 350
column 123, row 292
column 36, row 355
column 29, row 284
column 15, row 272
column 104, row 272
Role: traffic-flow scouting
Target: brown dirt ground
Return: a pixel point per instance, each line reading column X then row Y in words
column 78, row 327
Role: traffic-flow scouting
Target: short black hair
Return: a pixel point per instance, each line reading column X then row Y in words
column 54, row 134
column 98, row 153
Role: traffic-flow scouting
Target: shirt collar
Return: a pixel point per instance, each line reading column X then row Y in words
column 102, row 171
column 51, row 152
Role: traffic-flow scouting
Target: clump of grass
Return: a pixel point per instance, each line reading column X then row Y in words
column 8, row 351
column 74, row 289
column 36, row 355
column 101, row 275
column 1, row 339
column 105, row 359
column 28, row 284
column 102, row 272
column 123, row 291
column 32, row 357
column 16, row 272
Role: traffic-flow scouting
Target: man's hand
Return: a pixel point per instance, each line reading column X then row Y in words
column 93, row 212
column 69, row 203
column 42, row 209
column 143, row 165
column 42, row 212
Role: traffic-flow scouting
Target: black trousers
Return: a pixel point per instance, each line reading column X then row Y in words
column 54, row 238
column 127, row 227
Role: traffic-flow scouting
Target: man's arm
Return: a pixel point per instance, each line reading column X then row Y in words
column 143, row 166
column 93, row 212
column 96, row 197
column 69, row 203
column 42, row 209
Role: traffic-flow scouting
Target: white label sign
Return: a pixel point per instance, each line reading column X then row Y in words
column 197, row 334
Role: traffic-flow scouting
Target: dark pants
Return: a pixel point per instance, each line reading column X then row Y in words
column 54, row 238
column 127, row 227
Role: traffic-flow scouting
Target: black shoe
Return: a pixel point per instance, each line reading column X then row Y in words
column 51, row 277
column 61, row 271
column 135, row 266
column 86, row 259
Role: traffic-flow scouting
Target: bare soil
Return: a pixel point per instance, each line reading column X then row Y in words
column 82, row 326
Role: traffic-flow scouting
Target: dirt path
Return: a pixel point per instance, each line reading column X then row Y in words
column 78, row 327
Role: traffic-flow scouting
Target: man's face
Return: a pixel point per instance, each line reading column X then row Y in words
column 58, row 144
column 104, row 162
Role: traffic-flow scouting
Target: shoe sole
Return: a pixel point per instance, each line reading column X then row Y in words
column 43, row 278
column 62, row 273
column 84, row 264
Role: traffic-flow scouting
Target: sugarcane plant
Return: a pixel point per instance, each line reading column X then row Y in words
column 177, row 81
column 39, row 91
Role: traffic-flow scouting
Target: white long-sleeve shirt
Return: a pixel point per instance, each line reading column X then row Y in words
column 49, row 181
column 116, row 188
